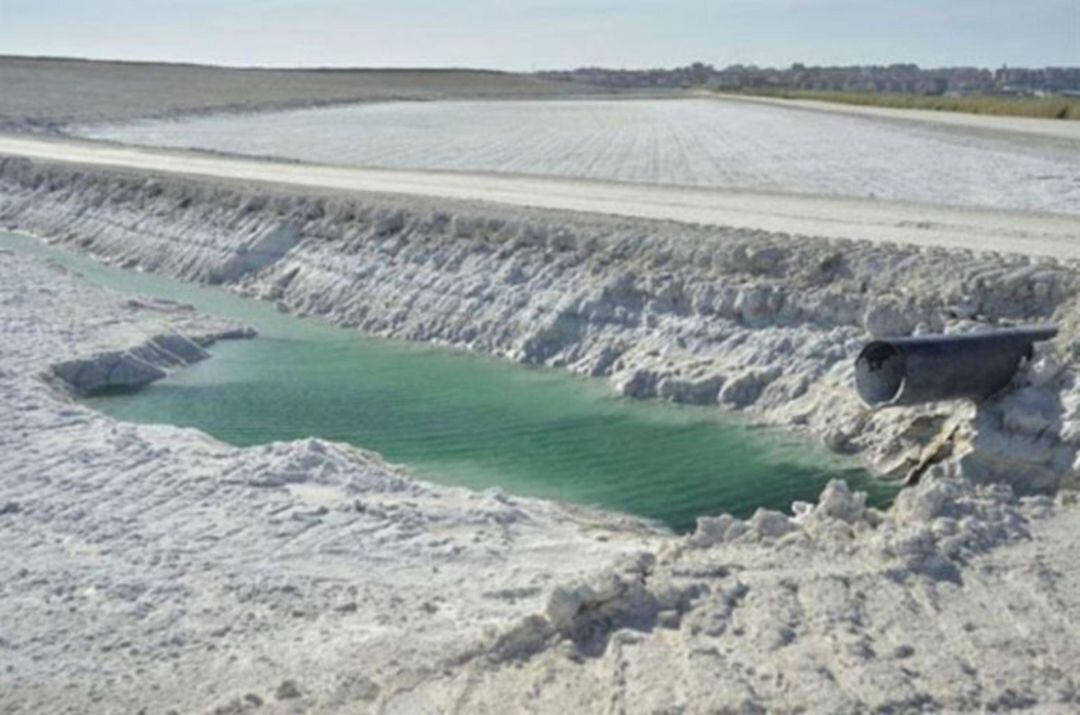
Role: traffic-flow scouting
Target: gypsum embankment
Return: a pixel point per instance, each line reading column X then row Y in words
column 764, row 323
column 694, row 590
column 310, row 575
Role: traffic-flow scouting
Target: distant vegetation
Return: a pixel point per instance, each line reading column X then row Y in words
column 1049, row 92
column 1040, row 107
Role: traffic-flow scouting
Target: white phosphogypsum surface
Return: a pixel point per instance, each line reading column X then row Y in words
column 862, row 219
column 687, row 142
column 152, row 568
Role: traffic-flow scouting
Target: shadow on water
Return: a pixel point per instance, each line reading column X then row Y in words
column 113, row 391
column 468, row 420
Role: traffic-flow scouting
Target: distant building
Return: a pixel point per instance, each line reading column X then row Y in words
column 901, row 78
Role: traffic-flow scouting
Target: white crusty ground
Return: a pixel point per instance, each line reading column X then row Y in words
column 154, row 569
column 958, row 600
column 688, row 142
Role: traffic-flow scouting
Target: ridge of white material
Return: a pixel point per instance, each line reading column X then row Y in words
column 864, row 219
column 1029, row 126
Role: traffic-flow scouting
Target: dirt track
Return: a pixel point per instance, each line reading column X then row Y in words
column 980, row 230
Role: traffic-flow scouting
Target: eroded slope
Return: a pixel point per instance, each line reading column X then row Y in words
column 766, row 323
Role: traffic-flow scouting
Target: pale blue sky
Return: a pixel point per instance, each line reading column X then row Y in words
column 530, row 34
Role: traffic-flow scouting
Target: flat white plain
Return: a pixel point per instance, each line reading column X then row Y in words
column 693, row 142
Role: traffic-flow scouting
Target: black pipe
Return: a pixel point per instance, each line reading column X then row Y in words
column 907, row 371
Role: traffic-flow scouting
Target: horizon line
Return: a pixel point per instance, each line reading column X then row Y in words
column 462, row 68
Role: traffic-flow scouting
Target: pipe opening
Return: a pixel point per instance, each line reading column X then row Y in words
column 879, row 373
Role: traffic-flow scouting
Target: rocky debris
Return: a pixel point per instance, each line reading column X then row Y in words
column 615, row 598
column 836, row 608
column 586, row 613
column 838, row 502
column 930, row 527
column 745, row 388
column 287, row 690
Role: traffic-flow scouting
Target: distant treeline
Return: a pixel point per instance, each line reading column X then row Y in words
column 895, row 79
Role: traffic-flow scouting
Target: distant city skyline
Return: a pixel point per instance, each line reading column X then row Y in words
column 559, row 34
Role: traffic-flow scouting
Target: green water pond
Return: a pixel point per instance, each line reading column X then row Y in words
column 462, row 419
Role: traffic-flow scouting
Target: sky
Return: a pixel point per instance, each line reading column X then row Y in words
column 531, row 35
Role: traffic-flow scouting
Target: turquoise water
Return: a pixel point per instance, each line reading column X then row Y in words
column 467, row 420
